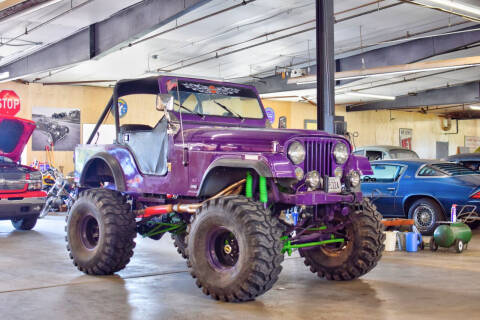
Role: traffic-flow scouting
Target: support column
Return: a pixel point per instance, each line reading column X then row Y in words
column 325, row 66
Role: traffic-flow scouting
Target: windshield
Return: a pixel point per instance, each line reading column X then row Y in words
column 215, row 100
column 403, row 154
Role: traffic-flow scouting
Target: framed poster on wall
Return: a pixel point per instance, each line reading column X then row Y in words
column 472, row 143
column 59, row 127
column 405, row 137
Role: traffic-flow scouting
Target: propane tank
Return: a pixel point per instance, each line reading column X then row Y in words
column 445, row 235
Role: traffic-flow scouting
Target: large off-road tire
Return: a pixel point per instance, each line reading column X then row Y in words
column 426, row 213
column 358, row 255
column 100, row 232
column 26, row 223
column 179, row 242
column 234, row 249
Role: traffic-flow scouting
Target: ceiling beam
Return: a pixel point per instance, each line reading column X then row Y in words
column 395, row 54
column 102, row 37
column 411, row 51
column 459, row 94
column 431, row 65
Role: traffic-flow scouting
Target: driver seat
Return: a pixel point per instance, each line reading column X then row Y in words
column 149, row 146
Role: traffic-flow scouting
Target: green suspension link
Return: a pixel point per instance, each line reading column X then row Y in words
column 263, row 190
column 288, row 246
column 170, row 227
column 249, row 186
column 262, row 187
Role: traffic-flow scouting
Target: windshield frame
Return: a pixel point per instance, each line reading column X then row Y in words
column 231, row 120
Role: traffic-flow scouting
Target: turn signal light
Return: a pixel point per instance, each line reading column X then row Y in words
column 476, row 195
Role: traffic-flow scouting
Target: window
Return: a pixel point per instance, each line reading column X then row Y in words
column 403, row 154
column 374, row 155
column 429, row 171
column 384, row 173
column 472, row 165
column 452, row 169
column 141, row 112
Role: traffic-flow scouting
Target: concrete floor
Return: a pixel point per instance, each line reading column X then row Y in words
column 38, row 281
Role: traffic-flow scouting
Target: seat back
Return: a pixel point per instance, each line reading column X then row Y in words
column 150, row 146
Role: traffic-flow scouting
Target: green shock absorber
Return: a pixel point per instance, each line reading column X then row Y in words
column 249, row 186
column 263, row 190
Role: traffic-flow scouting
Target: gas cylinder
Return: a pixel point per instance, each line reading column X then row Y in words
column 446, row 235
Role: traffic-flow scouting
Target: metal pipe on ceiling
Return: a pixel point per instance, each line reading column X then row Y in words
column 163, row 69
column 246, row 2
column 27, row 31
column 405, row 38
column 243, row 3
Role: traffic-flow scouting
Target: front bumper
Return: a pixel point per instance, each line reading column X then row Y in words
column 311, row 198
column 17, row 206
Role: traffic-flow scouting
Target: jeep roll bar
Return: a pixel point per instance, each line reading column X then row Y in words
column 122, row 88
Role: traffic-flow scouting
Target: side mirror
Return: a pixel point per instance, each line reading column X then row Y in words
column 164, row 102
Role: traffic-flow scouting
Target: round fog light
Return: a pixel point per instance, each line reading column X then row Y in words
column 299, row 173
column 339, row 172
column 313, row 180
column 354, row 178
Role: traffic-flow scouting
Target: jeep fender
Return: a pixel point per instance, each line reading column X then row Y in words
column 112, row 164
column 259, row 166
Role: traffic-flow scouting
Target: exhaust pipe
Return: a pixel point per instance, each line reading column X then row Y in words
column 148, row 212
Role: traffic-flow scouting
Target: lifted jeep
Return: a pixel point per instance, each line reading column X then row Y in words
column 198, row 159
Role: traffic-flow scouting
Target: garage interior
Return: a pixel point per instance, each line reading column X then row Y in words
column 384, row 66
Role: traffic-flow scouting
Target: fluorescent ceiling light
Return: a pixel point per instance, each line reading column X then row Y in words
column 368, row 95
column 458, row 5
column 4, row 75
column 475, row 107
column 386, row 74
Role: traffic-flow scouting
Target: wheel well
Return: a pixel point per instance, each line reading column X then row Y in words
column 97, row 173
column 410, row 200
column 221, row 177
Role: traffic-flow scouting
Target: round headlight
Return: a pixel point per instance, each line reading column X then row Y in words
column 299, row 173
column 354, row 178
column 296, row 152
column 313, row 180
column 340, row 152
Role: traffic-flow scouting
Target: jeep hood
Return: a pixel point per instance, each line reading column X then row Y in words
column 14, row 135
column 244, row 139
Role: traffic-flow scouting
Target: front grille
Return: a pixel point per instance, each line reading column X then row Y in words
column 12, row 181
column 318, row 156
column 9, row 186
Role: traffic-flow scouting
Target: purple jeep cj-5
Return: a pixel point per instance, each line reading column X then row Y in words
column 198, row 159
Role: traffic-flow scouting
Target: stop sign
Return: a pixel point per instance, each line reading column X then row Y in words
column 9, row 102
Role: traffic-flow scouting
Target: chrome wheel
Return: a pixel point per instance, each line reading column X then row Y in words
column 424, row 217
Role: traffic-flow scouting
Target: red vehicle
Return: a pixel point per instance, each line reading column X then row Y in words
column 21, row 195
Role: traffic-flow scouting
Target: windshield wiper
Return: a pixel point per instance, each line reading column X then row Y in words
column 228, row 110
column 191, row 111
